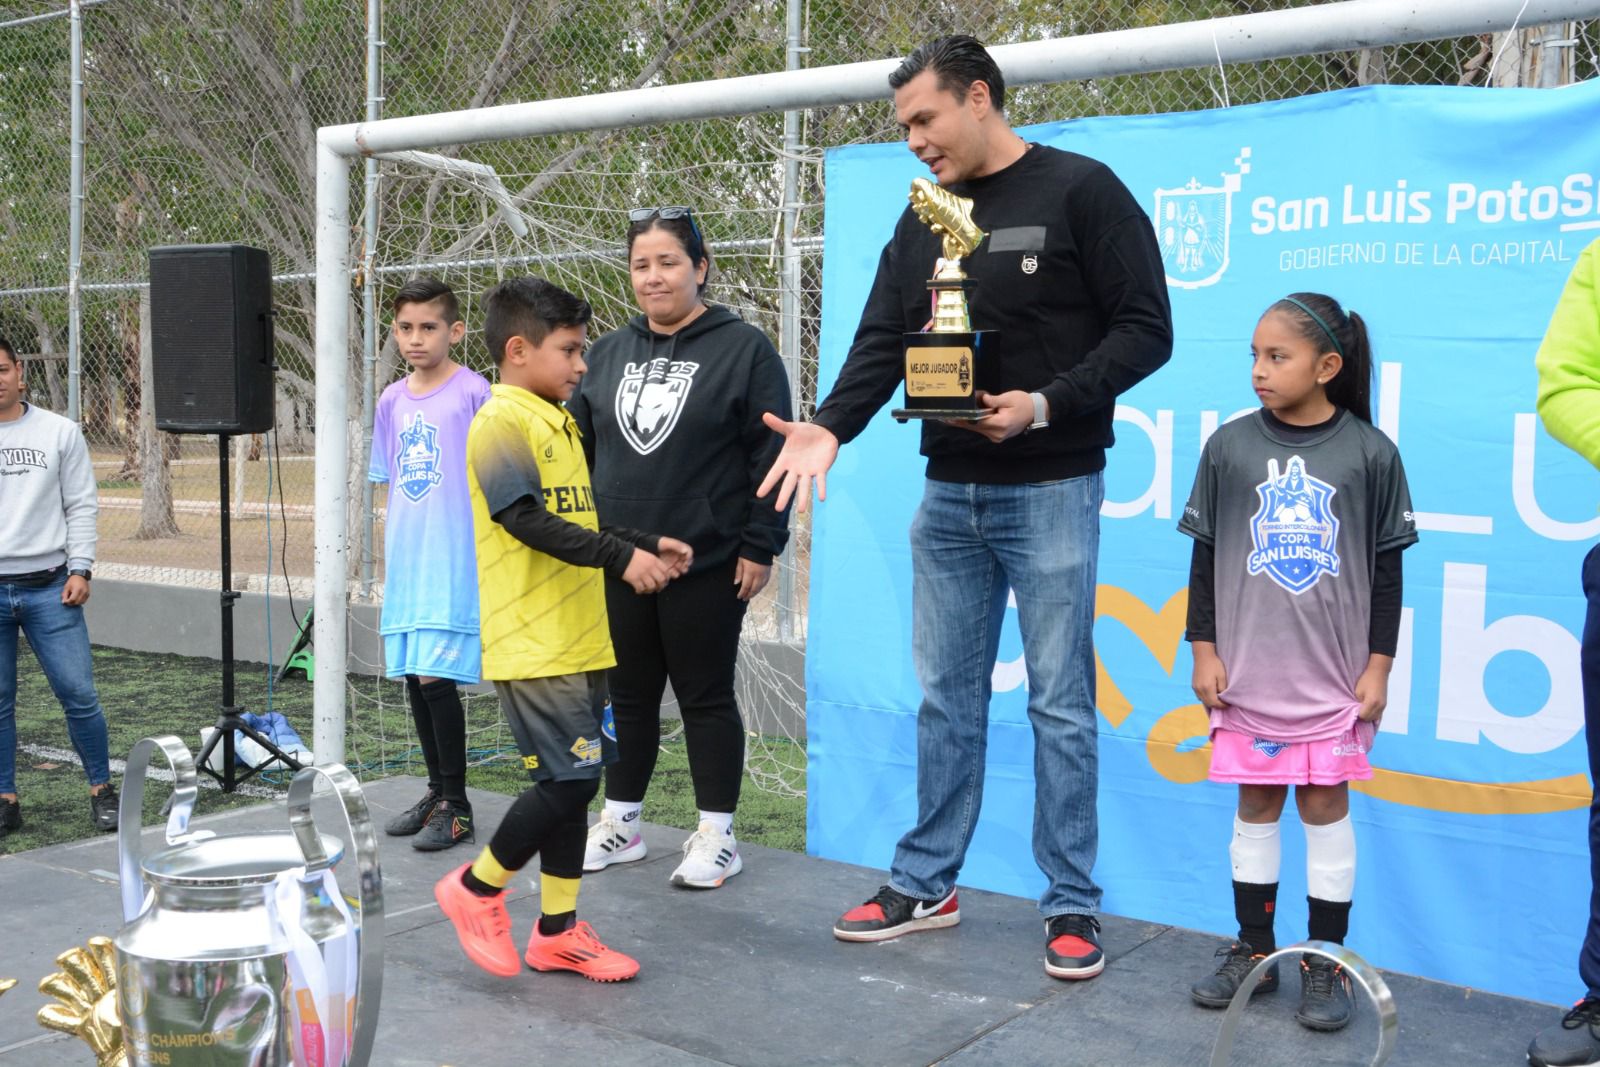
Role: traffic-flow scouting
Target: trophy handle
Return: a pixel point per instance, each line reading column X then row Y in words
column 130, row 813
column 358, row 820
column 1364, row 974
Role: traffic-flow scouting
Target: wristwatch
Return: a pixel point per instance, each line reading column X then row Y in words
column 1041, row 416
column 81, row 572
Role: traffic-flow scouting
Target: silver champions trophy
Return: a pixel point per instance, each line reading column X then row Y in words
column 240, row 950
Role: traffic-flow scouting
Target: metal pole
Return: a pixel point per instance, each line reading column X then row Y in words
column 369, row 295
column 66, row 12
column 333, row 449
column 789, row 339
column 1555, row 55
column 75, row 224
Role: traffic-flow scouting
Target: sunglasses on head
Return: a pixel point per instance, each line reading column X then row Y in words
column 676, row 211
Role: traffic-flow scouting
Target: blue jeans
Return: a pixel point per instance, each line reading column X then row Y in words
column 1589, row 660
column 59, row 637
column 970, row 544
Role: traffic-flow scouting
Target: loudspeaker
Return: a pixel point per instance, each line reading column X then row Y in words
column 211, row 338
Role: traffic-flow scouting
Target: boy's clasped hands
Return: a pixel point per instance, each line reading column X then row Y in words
column 649, row 572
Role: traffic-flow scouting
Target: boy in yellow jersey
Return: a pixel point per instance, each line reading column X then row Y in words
column 546, row 642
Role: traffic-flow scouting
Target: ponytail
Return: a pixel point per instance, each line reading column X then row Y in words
column 1325, row 324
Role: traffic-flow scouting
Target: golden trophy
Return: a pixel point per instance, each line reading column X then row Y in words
column 943, row 370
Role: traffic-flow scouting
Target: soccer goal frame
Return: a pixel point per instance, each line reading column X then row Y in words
column 1341, row 26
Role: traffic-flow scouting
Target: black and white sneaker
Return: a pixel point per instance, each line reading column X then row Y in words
column 1573, row 1042
column 891, row 913
column 414, row 818
column 710, row 857
column 10, row 816
column 1324, row 994
column 103, row 807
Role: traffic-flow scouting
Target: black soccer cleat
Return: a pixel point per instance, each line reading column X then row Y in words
column 1573, row 1042
column 1324, row 994
column 413, row 818
column 450, row 824
column 1238, row 959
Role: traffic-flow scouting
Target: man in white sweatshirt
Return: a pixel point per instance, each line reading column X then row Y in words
column 48, row 506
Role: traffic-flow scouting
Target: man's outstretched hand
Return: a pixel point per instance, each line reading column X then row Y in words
column 808, row 452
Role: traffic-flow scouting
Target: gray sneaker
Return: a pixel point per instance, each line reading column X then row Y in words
column 1574, row 1042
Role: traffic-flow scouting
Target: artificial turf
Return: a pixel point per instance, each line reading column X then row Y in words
column 148, row 694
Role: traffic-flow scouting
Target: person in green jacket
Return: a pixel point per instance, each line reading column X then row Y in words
column 1569, row 403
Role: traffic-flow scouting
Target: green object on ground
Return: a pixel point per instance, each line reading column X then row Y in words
column 301, row 657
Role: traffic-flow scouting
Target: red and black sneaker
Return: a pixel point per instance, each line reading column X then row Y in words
column 1072, row 947
column 891, row 913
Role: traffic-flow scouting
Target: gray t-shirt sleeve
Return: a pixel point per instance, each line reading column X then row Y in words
column 1395, row 523
column 1199, row 514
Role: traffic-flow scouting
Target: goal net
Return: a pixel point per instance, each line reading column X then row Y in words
column 559, row 210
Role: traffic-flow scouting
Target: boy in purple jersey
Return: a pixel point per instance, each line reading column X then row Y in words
column 1299, row 515
column 430, row 604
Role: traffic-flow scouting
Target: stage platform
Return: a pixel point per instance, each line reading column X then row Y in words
column 749, row 974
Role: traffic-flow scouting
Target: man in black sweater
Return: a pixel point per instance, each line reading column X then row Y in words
column 1071, row 278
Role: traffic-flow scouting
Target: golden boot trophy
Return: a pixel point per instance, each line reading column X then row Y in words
column 943, row 369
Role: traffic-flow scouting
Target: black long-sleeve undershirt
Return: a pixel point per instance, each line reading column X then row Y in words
column 1383, row 627
column 529, row 521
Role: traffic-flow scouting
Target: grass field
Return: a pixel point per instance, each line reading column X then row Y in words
column 147, row 694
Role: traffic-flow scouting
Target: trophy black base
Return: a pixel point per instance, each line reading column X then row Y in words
column 944, row 374
column 942, row 414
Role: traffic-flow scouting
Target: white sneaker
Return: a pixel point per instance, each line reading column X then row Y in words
column 611, row 841
column 709, row 857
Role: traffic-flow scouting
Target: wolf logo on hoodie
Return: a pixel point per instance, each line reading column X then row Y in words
column 650, row 398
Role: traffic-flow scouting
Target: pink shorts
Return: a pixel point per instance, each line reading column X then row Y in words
column 1243, row 758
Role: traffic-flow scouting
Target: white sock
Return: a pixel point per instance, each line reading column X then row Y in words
column 1256, row 851
column 721, row 820
column 1331, row 860
column 625, row 812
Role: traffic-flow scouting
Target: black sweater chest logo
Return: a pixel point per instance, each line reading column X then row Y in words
column 650, row 398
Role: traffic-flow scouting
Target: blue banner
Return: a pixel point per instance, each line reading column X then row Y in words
column 1449, row 218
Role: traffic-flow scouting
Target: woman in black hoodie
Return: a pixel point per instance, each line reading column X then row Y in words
column 670, row 413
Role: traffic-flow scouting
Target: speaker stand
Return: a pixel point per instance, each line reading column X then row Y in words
column 230, row 717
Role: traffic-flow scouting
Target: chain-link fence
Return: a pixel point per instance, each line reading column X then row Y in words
column 200, row 126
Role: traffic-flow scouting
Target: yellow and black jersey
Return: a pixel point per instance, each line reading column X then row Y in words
column 540, row 615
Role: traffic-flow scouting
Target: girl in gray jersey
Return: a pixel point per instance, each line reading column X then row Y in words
column 1299, row 514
